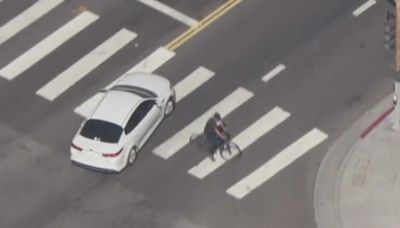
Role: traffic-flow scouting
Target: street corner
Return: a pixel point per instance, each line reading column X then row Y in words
column 345, row 171
column 370, row 183
column 377, row 141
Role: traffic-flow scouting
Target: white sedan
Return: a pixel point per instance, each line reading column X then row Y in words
column 110, row 138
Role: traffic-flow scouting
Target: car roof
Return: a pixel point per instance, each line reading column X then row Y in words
column 115, row 106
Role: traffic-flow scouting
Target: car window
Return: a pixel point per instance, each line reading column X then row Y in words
column 101, row 130
column 138, row 115
column 141, row 92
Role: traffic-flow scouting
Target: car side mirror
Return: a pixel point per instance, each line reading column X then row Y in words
column 159, row 103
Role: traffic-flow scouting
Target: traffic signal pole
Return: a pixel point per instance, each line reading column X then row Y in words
column 396, row 94
column 397, row 36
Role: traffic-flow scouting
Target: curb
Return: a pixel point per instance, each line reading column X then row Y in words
column 376, row 122
column 330, row 173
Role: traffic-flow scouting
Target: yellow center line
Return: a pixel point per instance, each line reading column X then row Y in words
column 213, row 16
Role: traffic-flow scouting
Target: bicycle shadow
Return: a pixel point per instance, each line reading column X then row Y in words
column 200, row 142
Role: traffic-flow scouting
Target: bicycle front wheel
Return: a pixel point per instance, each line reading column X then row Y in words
column 230, row 150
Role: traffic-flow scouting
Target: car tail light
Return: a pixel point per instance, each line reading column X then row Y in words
column 76, row 147
column 113, row 154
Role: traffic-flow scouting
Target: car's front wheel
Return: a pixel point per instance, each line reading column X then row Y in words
column 132, row 156
column 169, row 107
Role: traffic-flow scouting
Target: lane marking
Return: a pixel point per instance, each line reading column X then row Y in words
column 87, row 107
column 248, row 136
column 364, row 7
column 153, row 61
column 47, row 45
column 167, row 10
column 24, row 19
column 274, row 72
column 86, row 64
column 192, row 82
column 181, row 138
column 149, row 64
column 213, row 16
column 277, row 163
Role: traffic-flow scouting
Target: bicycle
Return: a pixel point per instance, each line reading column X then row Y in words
column 227, row 147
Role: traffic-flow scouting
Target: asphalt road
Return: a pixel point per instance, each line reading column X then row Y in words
column 336, row 68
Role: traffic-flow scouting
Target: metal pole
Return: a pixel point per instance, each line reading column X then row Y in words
column 396, row 95
column 397, row 36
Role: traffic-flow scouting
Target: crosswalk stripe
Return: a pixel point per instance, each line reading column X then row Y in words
column 86, row 107
column 364, row 7
column 277, row 163
column 273, row 72
column 153, row 61
column 86, row 64
column 170, row 12
column 181, row 138
column 47, row 45
column 248, row 136
column 149, row 64
column 192, row 82
column 24, row 19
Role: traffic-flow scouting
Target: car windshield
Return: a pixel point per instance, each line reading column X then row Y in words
column 101, row 130
column 141, row 92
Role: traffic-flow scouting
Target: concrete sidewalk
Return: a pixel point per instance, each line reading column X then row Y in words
column 358, row 184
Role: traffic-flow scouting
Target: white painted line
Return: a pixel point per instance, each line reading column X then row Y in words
column 86, row 64
column 192, row 82
column 181, row 138
column 149, row 64
column 24, row 19
column 86, row 108
column 47, row 45
column 170, row 12
column 273, row 72
column 277, row 163
column 364, row 7
column 259, row 128
column 153, row 61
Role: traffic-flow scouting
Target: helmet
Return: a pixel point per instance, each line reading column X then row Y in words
column 217, row 116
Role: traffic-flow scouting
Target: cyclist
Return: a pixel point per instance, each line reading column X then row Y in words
column 214, row 130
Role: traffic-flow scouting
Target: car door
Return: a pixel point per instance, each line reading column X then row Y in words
column 150, row 120
column 140, row 122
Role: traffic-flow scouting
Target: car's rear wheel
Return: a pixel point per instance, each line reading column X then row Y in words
column 169, row 107
column 132, row 156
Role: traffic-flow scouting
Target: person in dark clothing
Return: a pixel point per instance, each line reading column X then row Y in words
column 214, row 131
